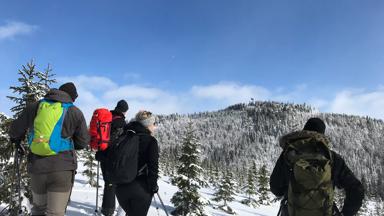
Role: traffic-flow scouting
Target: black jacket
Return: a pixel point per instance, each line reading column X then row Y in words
column 148, row 154
column 74, row 126
column 342, row 178
column 118, row 121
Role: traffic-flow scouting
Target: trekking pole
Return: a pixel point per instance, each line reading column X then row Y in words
column 98, row 166
column 282, row 205
column 97, row 187
column 157, row 207
column 161, row 201
column 18, row 187
column 70, row 193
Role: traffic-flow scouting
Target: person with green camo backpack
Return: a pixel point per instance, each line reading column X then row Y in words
column 307, row 172
column 56, row 128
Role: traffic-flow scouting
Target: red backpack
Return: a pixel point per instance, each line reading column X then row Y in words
column 100, row 128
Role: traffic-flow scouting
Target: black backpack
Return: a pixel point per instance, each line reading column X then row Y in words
column 122, row 159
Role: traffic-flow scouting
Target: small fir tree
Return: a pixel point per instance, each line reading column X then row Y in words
column 339, row 198
column 250, row 189
column 187, row 200
column 225, row 191
column 263, row 189
column 90, row 167
column 34, row 85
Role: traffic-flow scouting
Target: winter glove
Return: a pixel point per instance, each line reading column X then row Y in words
column 19, row 146
column 154, row 189
column 99, row 156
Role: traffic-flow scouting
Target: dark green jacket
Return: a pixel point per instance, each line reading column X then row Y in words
column 74, row 126
column 342, row 177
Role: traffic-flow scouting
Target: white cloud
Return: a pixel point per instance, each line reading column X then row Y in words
column 96, row 83
column 217, row 96
column 359, row 102
column 230, row 92
column 135, row 92
column 97, row 91
column 12, row 28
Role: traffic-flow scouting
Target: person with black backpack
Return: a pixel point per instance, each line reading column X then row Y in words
column 134, row 164
column 117, row 126
column 307, row 171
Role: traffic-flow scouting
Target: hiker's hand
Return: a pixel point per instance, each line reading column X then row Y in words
column 16, row 141
column 19, row 146
column 99, row 156
column 155, row 189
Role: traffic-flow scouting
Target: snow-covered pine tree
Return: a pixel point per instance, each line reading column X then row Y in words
column 263, row 188
column 214, row 178
column 90, row 167
column 379, row 207
column 250, row 188
column 225, row 191
column 339, row 198
column 7, row 175
column 33, row 86
column 364, row 207
column 187, row 200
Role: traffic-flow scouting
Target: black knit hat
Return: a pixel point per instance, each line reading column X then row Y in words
column 315, row 124
column 69, row 88
column 122, row 106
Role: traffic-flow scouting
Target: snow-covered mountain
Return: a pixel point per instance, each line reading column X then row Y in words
column 243, row 133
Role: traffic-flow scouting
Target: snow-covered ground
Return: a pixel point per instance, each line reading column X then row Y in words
column 83, row 200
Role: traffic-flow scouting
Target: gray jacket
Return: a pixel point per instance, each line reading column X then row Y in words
column 74, row 127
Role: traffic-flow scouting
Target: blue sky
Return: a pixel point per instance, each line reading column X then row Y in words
column 196, row 55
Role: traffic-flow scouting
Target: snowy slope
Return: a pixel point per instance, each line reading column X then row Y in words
column 83, row 200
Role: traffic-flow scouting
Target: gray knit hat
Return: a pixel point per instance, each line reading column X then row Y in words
column 145, row 118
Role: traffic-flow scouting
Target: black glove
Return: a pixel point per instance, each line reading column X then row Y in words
column 154, row 189
column 100, row 156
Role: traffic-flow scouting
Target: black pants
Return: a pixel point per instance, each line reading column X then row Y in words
column 108, row 206
column 134, row 198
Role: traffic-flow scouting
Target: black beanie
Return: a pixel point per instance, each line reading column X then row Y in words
column 69, row 88
column 122, row 106
column 315, row 124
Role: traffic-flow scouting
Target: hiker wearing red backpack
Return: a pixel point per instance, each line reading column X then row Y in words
column 117, row 126
column 135, row 189
column 307, row 172
column 55, row 129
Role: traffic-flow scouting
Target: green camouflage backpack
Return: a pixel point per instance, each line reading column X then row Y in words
column 310, row 190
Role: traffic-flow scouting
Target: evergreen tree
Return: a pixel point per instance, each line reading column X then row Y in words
column 90, row 167
column 225, row 190
column 187, row 200
column 339, row 198
column 33, row 86
column 379, row 207
column 7, row 169
column 250, row 189
column 263, row 188
column 214, row 178
column 364, row 207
